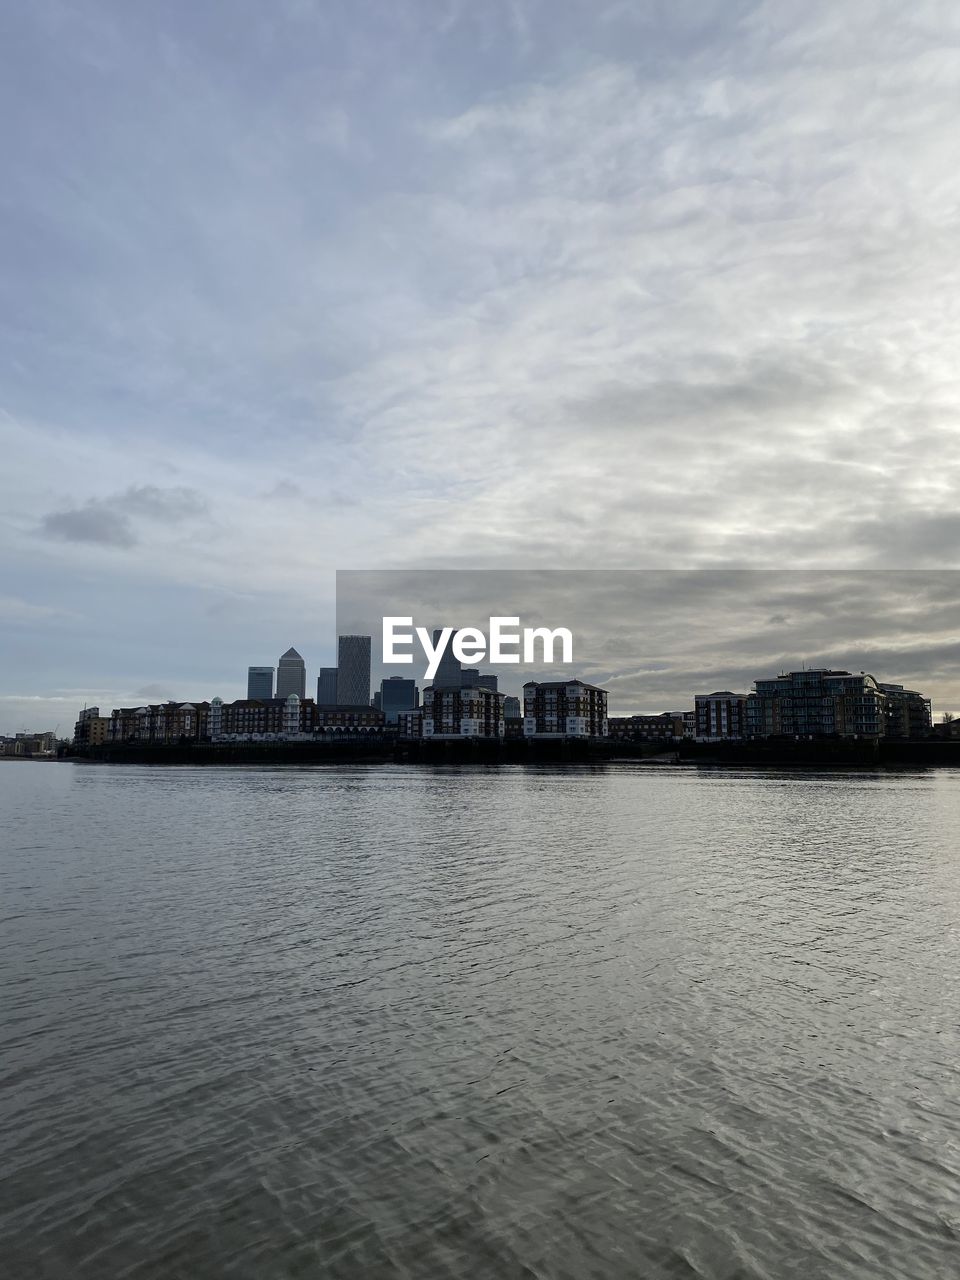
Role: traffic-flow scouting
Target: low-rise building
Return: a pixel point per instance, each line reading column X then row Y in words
column 345, row 720
column 564, row 709
column 665, row 726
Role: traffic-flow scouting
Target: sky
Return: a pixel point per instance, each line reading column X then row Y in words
column 296, row 287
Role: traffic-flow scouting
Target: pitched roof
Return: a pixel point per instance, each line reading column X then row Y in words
column 291, row 653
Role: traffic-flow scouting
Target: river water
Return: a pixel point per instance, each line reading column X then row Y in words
column 518, row 1022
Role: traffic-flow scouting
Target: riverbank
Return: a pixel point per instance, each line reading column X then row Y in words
column 825, row 753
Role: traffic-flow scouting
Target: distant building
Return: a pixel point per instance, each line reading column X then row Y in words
column 291, row 675
column 327, row 687
column 815, row 704
column 410, row 723
column 260, row 682
column 159, row 722
column 908, row 713
column 511, row 707
column 342, row 720
column 667, row 726
column 564, row 709
column 449, row 669
column 720, row 715
column 261, row 719
column 353, row 671
column 462, row 713
column 397, row 694
column 91, row 728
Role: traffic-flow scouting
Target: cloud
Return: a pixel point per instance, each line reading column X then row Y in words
column 93, row 523
column 485, row 287
column 110, row 521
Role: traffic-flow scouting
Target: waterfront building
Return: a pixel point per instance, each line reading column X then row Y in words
column 397, row 694
column 291, row 675
column 667, row 726
column 511, row 707
column 462, row 713
column 327, row 687
column 720, row 715
column 344, row 720
column 410, row 723
column 91, row 728
column 816, row 703
column 908, row 713
column 260, row 682
column 449, row 673
column 260, row 719
column 162, row 722
column 564, row 709
column 353, row 671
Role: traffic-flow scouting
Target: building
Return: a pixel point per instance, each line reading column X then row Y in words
column 816, row 704
column 260, row 681
column 462, row 713
column 667, row 726
column 159, row 722
column 511, row 707
column 564, row 709
column 471, row 678
column 353, row 671
column 397, row 694
column 341, row 720
column 720, row 716
column 91, row 729
column 291, row 675
column 908, row 713
column 261, row 719
column 327, row 687
column 410, row 723
column 449, row 674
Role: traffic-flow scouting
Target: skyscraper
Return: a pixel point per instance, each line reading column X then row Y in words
column 259, row 682
column 449, row 669
column 291, row 675
column 353, row 671
column 327, row 687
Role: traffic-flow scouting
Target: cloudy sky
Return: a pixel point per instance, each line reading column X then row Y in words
column 310, row 285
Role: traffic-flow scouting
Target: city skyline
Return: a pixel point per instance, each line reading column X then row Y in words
column 502, row 285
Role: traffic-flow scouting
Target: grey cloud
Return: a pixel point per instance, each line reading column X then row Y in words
column 93, row 523
column 110, row 521
column 158, row 691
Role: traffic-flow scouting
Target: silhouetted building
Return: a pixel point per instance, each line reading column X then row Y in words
column 397, row 694
column 908, row 713
column 345, row 720
column 291, row 675
column 667, row 726
column 449, row 669
column 260, row 682
column 327, row 687
column 353, row 671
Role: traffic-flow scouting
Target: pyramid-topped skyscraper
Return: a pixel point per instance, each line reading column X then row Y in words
column 291, row 675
